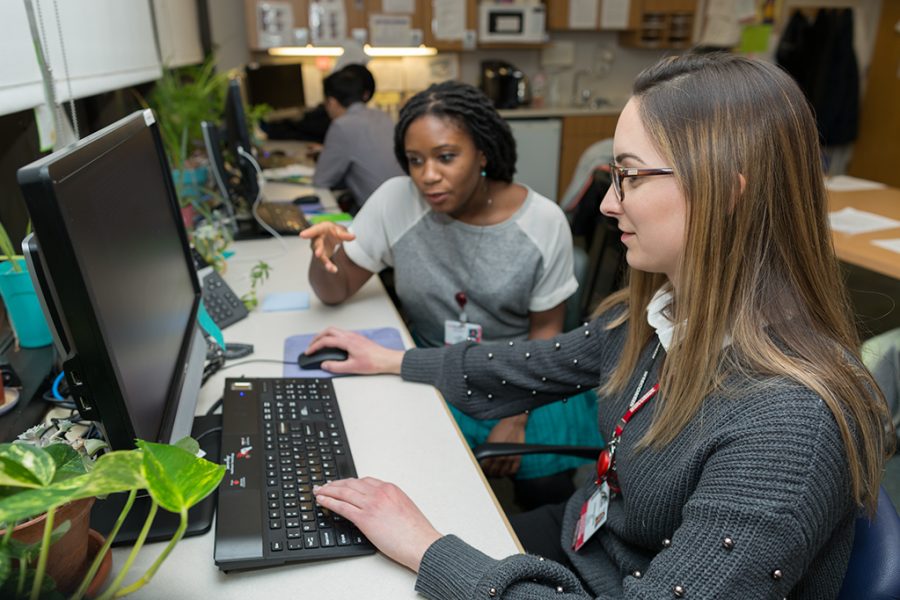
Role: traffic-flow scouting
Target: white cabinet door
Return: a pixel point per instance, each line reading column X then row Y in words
column 537, row 147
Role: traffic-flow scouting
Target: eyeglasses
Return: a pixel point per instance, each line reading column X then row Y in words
column 619, row 174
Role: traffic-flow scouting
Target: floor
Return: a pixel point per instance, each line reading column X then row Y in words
column 875, row 300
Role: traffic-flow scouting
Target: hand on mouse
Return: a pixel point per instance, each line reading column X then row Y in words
column 325, row 238
column 365, row 357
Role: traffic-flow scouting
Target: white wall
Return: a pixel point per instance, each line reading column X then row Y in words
column 615, row 86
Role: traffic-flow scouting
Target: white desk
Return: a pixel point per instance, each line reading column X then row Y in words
column 399, row 432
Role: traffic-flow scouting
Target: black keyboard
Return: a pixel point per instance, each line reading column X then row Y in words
column 279, row 438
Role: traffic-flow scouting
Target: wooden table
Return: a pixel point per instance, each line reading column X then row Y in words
column 858, row 249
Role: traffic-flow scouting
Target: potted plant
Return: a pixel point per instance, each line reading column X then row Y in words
column 45, row 479
column 182, row 99
column 17, row 291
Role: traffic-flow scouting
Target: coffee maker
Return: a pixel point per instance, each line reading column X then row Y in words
column 504, row 84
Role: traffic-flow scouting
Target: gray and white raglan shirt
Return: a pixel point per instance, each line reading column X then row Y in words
column 507, row 270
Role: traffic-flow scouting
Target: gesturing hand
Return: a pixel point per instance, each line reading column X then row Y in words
column 364, row 356
column 385, row 515
column 324, row 239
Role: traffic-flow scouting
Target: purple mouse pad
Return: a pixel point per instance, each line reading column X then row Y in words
column 294, row 345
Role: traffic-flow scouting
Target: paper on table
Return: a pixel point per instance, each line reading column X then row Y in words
column 845, row 183
column 851, row 220
column 892, row 245
column 296, row 170
column 294, row 345
column 285, row 301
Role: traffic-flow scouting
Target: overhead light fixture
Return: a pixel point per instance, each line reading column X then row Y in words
column 385, row 51
column 306, row 51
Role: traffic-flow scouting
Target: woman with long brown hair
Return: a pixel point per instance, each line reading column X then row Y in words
column 745, row 435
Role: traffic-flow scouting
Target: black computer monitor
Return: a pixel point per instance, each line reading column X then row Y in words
column 279, row 86
column 111, row 260
column 237, row 136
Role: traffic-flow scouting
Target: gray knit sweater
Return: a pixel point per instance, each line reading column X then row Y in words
column 751, row 500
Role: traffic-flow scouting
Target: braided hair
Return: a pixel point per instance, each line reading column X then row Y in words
column 470, row 110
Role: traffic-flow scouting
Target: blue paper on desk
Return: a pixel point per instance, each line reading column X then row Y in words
column 285, row 301
column 296, row 344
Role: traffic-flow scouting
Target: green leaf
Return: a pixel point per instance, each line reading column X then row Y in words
column 114, row 472
column 67, row 460
column 118, row 471
column 5, row 564
column 23, row 465
column 176, row 478
column 188, row 444
column 18, row 549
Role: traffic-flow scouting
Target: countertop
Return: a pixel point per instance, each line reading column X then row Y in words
column 559, row 111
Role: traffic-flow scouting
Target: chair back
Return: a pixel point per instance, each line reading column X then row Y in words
column 874, row 569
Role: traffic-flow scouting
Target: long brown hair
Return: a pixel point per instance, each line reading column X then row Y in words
column 758, row 263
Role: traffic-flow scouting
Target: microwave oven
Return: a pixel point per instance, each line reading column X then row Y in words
column 511, row 22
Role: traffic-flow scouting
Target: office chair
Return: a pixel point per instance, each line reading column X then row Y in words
column 873, row 572
column 600, row 235
column 874, row 569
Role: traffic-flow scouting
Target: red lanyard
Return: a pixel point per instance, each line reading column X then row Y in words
column 606, row 462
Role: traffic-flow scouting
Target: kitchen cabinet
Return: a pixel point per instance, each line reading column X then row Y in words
column 662, row 24
column 426, row 8
column 558, row 16
column 579, row 132
column 355, row 10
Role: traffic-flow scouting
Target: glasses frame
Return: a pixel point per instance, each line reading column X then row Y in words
column 618, row 174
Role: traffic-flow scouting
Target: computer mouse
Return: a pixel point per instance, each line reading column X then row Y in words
column 315, row 360
column 308, row 199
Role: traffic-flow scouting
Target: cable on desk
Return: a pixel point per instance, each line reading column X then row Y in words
column 207, row 432
column 55, row 387
column 258, row 360
column 261, row 180
column 215, row 406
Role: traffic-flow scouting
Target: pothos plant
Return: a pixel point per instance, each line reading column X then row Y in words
column 38, row 478
column 8, row 249
column 258, row 274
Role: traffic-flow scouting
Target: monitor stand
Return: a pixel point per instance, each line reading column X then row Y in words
column 200, row 517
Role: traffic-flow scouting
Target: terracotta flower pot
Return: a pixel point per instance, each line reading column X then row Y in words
column 95, row 542
column 69, row 558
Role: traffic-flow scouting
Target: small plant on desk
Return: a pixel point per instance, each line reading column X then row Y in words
column 43, row 476
column 258, row 274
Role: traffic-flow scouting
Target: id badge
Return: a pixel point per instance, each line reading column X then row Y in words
column 593, row 516
column 456, row 332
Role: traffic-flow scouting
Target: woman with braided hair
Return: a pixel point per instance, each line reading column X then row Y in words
column 476, row 257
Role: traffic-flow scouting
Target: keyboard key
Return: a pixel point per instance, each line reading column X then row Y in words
column 326, row 537
column 295, row 544
column 276, row 546
column 311, row 540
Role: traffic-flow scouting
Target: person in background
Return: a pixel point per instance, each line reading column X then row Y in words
column 746, row 433
column 357, row 150
column 475, row 256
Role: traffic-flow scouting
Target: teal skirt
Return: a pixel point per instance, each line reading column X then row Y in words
column 573, row 423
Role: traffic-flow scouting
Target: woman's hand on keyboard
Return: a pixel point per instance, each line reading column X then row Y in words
column 364, row 357
column 325, row 239
column 385, row 515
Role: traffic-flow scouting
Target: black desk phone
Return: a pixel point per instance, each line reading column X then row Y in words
column 222, row 304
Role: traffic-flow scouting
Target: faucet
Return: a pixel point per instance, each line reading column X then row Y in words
column 581, row 95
